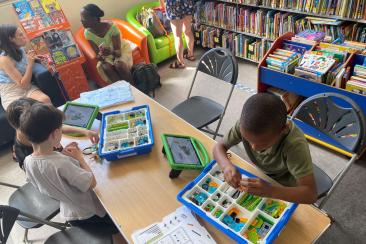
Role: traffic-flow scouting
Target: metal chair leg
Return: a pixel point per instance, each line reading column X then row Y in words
column 210, row 131
column 338, row 178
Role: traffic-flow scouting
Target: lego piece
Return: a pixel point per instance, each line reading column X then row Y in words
column 249, row 201
column 198, row 197
column 258, row 229
column 218, row 212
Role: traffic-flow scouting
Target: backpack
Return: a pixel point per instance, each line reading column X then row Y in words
column 146, row 78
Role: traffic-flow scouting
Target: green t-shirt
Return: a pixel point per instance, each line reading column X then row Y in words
column 289, row 159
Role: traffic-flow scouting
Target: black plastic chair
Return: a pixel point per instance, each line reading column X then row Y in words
column 340, row 119
column 201, row 111
column 73, row 235
column 28, row 199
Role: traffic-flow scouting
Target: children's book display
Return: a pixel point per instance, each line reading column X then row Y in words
column 286, row 58
column 126, row 133
column 178, row 227
column 314, row 66
column 48, row 30
column 35, row 15
column 244, row 217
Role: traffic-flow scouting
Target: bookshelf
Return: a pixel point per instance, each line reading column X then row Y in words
column 231, row 20
column 306, row 88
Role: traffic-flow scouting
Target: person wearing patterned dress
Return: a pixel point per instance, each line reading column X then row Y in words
column 179, row 12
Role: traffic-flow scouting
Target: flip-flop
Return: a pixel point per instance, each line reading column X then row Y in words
column 177, row 65
column 190, row 58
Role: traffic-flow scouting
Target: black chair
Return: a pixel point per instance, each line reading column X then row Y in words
column 73, row 235
column 339, row 118
column 201, row 111
column 28, row 199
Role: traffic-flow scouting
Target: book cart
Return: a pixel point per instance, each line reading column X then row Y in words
column 272, row 78
column 48, row 30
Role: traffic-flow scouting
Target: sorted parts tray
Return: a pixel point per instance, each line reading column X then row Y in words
column 244, row 217
column 126, row 133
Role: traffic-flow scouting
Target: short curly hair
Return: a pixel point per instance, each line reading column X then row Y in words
column 263, row 112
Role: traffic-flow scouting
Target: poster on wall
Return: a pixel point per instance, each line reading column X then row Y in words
column 35, row 15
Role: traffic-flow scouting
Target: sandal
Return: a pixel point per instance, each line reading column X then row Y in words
column 190, row 58
column 177, row 65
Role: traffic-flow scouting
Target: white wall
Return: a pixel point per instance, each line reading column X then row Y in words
column 71, row 8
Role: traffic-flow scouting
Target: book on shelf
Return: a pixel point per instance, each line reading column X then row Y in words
column 356, row 86
column 318, row 67
column 357, row 82
column 309, row 37
column 318, row 64
column 354, row 9
column 282, row 60
column 239, row 44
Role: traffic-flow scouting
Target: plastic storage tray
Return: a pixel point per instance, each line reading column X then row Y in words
column 244, row 217
column 126, row 133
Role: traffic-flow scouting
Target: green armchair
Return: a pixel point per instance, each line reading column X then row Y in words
column 160, row 48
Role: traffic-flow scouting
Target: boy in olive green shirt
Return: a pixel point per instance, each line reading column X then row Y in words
column 276, row 146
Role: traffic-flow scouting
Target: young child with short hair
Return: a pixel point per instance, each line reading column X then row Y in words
column 276, row 146
column 22, row 147
column 63, row 176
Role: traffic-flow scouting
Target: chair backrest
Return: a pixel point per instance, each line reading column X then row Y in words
column 345, row 125
column 219, row 63
column 8, row 216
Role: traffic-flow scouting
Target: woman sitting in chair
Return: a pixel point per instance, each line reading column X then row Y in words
column 114, row 54
column 16, row 67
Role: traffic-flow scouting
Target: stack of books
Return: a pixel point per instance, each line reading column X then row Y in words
column 357, row 82
column 283, row 60
column 314, row 66
column 309, row 37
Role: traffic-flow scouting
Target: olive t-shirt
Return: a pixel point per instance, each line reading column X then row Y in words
column 287, row 160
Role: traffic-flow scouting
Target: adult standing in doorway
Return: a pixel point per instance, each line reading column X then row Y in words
column 179, row 12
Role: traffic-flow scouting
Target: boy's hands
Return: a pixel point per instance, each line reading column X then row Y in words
column 255, row 186
column 232, row 175
column 92, row 135
column 73, row 150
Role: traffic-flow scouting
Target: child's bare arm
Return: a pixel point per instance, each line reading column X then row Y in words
column 73, row 150
column 304, row 192
column 86, row 167
column 92, row 135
